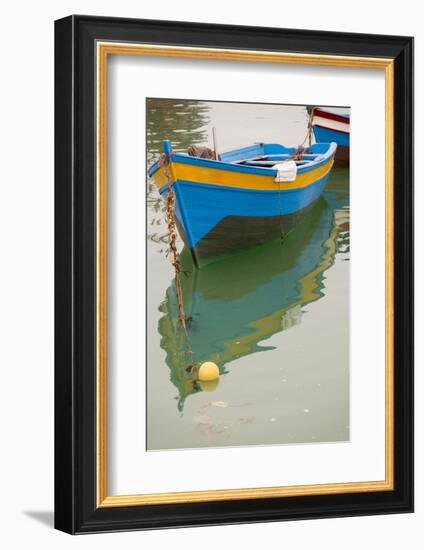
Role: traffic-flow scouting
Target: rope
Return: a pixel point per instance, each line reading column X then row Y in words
column 173, row 254
column 280, row 218
column 298, row 155
column 308, row 136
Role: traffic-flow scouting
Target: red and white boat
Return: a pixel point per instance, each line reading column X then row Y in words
column 329, row 126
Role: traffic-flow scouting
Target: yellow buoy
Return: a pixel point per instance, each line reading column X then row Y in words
column 208, row 371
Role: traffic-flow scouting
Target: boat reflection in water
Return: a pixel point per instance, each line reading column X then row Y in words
column 236, row 304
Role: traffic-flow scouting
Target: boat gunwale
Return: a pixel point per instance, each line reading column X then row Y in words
column 184, row 158
column 331, row 115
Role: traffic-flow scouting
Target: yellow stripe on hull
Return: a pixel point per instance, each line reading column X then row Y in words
column 229, row 178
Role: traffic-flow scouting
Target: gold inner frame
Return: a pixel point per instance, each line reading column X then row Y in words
column 104, row 49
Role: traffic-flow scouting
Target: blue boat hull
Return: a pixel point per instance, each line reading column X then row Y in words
column 247, row 197
column 214, row 221
column 326, row 135
column 341, row 159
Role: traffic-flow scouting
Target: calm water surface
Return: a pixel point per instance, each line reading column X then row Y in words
column 274, row 318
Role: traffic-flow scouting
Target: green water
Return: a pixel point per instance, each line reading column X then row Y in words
column 274, row 318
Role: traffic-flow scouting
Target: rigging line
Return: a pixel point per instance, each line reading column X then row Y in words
column 174, row 256
column 280, row 218
column 308, row 135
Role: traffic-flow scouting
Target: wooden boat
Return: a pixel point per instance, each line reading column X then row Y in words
column 246, row 197
column 234, row 309
column 329, row 126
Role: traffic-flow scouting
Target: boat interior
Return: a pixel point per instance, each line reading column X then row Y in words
column 269, row 161
column 268, row 155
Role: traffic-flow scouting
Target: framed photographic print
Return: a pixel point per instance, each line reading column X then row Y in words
column 233, row 274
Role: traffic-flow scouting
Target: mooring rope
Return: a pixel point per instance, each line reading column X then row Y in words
column 298, row 155
column 173, row 254
column 280, row 217
column 309, row 129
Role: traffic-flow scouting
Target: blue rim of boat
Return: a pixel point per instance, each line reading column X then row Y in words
column 324, row 151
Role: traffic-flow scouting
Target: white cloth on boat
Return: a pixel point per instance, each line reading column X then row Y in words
column 286, row 171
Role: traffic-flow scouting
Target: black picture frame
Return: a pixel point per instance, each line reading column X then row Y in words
column 76, row 510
